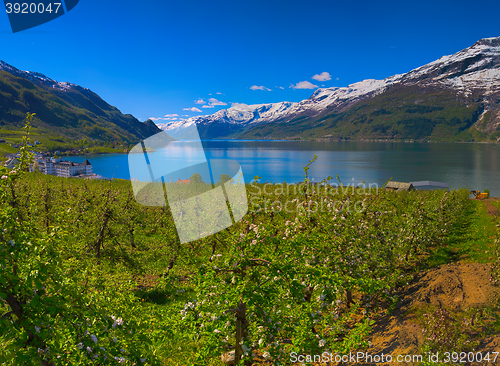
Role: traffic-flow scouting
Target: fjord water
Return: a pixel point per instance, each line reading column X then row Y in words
column 474, row 166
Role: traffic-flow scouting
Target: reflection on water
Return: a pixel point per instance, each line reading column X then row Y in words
column 475, row 166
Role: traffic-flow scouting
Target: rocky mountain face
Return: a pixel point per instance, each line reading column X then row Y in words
column 456, row 97
column 65, row 109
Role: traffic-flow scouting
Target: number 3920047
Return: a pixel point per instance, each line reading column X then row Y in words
column 32, row 8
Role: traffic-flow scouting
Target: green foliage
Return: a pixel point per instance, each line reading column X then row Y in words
column 307, row 269
column 73, row 115
column 56, row 311
column 303, row 274
column 495, row 266
column 196, row 178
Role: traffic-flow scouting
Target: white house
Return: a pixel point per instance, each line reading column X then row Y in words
column 64, row 168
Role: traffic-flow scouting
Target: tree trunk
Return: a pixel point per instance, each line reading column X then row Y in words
column 241, row 330
column 100, row 237
column 349, row 298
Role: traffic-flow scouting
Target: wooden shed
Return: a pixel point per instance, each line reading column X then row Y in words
column 399, row 186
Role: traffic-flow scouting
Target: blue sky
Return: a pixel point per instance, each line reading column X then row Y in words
column 155, row 58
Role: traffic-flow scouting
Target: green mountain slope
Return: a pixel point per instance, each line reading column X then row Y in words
column 65, row 115
column 407, row 112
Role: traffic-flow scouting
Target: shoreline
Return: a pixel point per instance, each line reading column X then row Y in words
column 362, row 140
column 12, row 154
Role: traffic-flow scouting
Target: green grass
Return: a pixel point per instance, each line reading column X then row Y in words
column 6, row 149
column 473, row 241
column 496, row 204
column 51, row 143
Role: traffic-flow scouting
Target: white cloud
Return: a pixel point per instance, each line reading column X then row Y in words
column 208, row 106
column 304, row 85
column 214, row 102
column 154, row 118
column 220, row 93
column 200, row 101
column 281, row 87
column 324, row 76
column 171, row 115
column 262, row 87
column 337, row 79
column 192, row 109
column 241, row 105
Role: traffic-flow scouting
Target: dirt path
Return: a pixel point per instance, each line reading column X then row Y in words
column 453, row 286
column 490, row 208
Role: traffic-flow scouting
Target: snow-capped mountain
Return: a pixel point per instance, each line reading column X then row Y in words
column 243, row 114
column 471, row 73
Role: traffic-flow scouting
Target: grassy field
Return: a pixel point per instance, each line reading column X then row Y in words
column 50, row 142
column 472, row 242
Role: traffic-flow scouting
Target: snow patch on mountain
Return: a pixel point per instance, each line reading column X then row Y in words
column 39, row 78
column 488, row 79
column 467, row 65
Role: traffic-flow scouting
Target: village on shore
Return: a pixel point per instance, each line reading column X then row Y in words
column 53, row 165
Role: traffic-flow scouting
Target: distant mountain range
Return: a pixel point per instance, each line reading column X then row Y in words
column 64, row 109
column 455, row 98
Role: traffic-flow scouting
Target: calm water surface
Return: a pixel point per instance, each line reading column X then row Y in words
column 474, row 166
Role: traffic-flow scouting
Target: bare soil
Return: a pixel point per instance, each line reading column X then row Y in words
column 453, row 286
column 490, row 208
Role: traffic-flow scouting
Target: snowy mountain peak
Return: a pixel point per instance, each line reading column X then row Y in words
column 492, row 42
